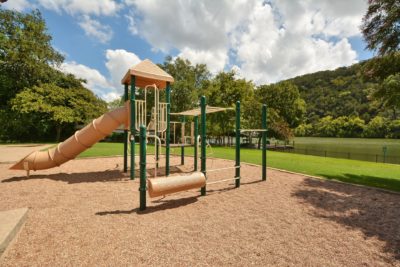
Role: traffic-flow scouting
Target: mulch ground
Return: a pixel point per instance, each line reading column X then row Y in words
column 86, row 213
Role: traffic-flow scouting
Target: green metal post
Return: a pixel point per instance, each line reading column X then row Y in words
column 264, row 143
column 167, row 134
column 142, row 186
column 237, row 145
column 196, row 133
column 133, row 122
column 203, row 139
column 183, row 143
column 126, row 88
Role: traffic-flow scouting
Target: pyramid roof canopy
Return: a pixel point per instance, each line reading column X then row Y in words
column 148, row 73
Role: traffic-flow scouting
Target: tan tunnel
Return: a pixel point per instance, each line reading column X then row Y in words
column 77, row 143
column 172, row 184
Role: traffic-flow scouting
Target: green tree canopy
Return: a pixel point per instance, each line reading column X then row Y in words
column 389, row 93
column 26, row 54
column 223, row 91
column 58, row 105
column 284, row 98
column 190, row 81
column 380, row 26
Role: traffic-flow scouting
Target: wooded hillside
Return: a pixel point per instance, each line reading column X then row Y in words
column 339, row 103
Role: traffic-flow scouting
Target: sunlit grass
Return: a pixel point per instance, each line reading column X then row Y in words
column 380, row 175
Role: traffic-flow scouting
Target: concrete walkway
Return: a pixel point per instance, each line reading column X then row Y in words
column 10, row 223
column 13, row 153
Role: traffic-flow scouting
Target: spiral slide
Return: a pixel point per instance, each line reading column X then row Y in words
column 77, row 143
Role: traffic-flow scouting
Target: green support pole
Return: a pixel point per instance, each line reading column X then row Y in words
column 183, row 143
column 167, row 134
column 237, row 145
column 133, row 130
column 196, row 133
column 126, row 133
column 203, row 139
column 142, row 186
column 264, row 143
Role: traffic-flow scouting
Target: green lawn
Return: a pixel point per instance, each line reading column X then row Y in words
column 380, row 175
column 354, row 148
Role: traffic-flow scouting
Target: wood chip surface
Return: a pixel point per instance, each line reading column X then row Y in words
column 85, row 213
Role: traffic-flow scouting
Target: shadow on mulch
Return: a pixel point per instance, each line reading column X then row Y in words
column 91, row 177
column 374, row 212
column 165, row 205
column 73, row 178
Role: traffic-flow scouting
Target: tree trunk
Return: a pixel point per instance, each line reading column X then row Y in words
column 259, row 142
column 58, row 129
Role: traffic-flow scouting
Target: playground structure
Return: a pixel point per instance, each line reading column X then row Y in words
column 134, row 116
column 167, row 185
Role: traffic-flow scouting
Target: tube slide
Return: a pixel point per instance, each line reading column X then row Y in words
column 77, row 143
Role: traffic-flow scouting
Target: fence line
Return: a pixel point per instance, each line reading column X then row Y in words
column 346, row 155
column 378, row 157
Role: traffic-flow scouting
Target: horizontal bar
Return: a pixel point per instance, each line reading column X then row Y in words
column 221, row 169
column 225, row 180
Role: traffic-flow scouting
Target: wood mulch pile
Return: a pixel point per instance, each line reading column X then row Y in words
column 86, row 213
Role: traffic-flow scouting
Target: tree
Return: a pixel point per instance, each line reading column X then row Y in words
column 380, row 26
column 376, row 128
column 326, row 127
column 394, row 129
column 389, row 93
column 190, row 82
column 304, row 129
column 26, row 54
column 223, row 91
column 381, row 31
column 284, row 98
column 60, row 106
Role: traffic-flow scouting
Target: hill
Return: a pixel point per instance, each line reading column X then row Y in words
column 340, row 92
column 338, row 105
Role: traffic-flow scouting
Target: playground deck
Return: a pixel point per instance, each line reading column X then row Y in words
column 86, row 213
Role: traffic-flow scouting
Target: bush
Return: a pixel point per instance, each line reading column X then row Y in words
column 376, row 128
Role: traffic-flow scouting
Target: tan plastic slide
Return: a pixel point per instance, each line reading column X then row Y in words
column 76, row 144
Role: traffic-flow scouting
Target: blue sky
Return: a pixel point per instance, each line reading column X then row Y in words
column 262, row 41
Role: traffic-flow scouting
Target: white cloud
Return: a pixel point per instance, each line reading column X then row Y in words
column 19, row 5
column 83, row 7
column 95, row 81
column 111, row 96
column 95, row 29
column 340, row 18
column 265, row 40
column 215, row 59
column 198, row 29
column 118, row 63
column 269, row 53
column 132, row 27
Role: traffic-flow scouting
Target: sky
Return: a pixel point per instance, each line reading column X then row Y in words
column 261, row 40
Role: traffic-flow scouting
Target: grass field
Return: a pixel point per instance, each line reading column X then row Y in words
column 380, row 175
column 355, row 148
